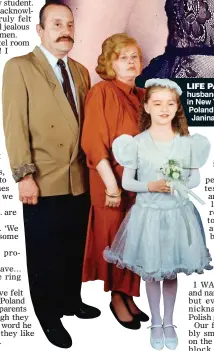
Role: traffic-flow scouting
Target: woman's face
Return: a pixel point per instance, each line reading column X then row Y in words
column 162, row 106
column 127, row 65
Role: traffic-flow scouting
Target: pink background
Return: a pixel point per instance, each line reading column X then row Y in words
column 95, row 20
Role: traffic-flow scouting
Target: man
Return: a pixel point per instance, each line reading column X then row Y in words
column 43, row 97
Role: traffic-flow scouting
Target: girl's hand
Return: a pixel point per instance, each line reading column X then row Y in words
column 113, row 201
column 159, row 186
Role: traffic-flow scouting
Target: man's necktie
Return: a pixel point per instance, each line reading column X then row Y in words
column 67, row 87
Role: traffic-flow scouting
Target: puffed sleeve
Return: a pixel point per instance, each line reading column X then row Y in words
column 125, row 151
column 95, row 135
column 200, row 149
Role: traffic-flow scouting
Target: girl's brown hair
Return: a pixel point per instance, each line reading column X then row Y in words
column 179, row 122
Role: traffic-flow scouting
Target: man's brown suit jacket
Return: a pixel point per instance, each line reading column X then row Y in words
column 41, row 130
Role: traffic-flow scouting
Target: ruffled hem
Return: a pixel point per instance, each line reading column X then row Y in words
column 159, row 275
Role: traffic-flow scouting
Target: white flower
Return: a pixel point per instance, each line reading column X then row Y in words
column 167, row 171
column 172, row 170
column 175, row 175
column 176, row 168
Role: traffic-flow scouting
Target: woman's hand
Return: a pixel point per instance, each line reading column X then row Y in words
column 106, row 173
column 159, row 186
column 113, row 201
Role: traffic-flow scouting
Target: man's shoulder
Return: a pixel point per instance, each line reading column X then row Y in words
column 78, row 65
column 20, row 60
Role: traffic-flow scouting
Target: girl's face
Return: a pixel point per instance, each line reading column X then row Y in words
column 162, row 106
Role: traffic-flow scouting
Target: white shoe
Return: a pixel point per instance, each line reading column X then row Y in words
column 157, row 344
column 171, row 343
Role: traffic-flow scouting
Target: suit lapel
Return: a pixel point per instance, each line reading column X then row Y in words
column 57, row 91
column 77, row 82
column 77, row 79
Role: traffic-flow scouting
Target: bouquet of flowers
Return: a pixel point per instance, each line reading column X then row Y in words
column 172, row 170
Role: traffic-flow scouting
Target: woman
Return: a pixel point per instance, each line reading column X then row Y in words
column 111, row 109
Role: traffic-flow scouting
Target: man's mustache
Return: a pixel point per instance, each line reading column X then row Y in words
column 65, row 37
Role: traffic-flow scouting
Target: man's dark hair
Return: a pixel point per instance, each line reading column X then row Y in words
column 42, row 11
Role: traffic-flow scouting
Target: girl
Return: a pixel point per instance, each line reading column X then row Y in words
column 161, row 235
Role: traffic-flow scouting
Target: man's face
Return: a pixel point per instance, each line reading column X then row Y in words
column 57, row 36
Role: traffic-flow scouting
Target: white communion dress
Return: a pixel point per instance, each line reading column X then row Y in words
column 161, row 234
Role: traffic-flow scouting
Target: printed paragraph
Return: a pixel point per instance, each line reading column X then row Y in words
column 209, row 188
column 8, row 230
column 14, row 320
column 13, row 314
column 15, row 19
column 201, row 316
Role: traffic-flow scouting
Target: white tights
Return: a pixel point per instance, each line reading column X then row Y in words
column 169, row 295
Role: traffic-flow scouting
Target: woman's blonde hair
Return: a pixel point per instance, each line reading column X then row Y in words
column 179, row 122
column 111, row 49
